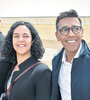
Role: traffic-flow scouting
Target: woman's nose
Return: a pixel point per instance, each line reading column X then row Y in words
column 21, row 38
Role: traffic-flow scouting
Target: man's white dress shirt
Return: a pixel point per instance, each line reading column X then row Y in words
column 64, row 79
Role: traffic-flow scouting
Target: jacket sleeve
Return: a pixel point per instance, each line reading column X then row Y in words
column 4, row 68
column 43, row 83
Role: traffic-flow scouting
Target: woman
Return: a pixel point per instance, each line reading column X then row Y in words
column 29, row 79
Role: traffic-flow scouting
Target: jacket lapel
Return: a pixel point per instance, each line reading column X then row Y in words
column 56, row 64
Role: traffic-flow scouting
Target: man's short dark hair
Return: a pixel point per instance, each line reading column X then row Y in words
column 70, row 13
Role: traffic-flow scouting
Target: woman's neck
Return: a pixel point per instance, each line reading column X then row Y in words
column 21, row 58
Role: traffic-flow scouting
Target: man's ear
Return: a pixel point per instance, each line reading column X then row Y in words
column 57, row 36
column 82, row 31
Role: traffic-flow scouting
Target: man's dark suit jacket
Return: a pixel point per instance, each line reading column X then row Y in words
column 4, row 69
column 80, row 75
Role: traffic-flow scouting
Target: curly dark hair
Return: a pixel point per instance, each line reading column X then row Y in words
column 37, row 49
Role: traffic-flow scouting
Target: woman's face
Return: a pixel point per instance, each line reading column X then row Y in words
column 22, row 40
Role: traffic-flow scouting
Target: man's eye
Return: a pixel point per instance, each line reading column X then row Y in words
column 64, row 29
column 76, row 27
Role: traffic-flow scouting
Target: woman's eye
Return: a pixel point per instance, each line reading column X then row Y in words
column 16, row 36
column 26, row 36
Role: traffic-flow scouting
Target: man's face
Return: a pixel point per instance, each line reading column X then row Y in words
column 71, row 41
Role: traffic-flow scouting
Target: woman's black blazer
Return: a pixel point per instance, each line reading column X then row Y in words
column 33, row 85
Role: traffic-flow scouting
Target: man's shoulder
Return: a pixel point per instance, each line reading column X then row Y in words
column 57, row 58
column 58, row 54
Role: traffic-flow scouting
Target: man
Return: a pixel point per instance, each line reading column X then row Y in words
column 71, row 66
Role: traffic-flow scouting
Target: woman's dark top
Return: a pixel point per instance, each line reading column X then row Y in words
column 34, row 84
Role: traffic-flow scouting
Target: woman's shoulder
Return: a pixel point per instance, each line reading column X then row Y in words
column 41, row 70
column 42, row 67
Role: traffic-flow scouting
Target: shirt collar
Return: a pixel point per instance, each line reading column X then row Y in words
column 76, row 56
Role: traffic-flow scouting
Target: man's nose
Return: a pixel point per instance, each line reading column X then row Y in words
column 71, row 33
